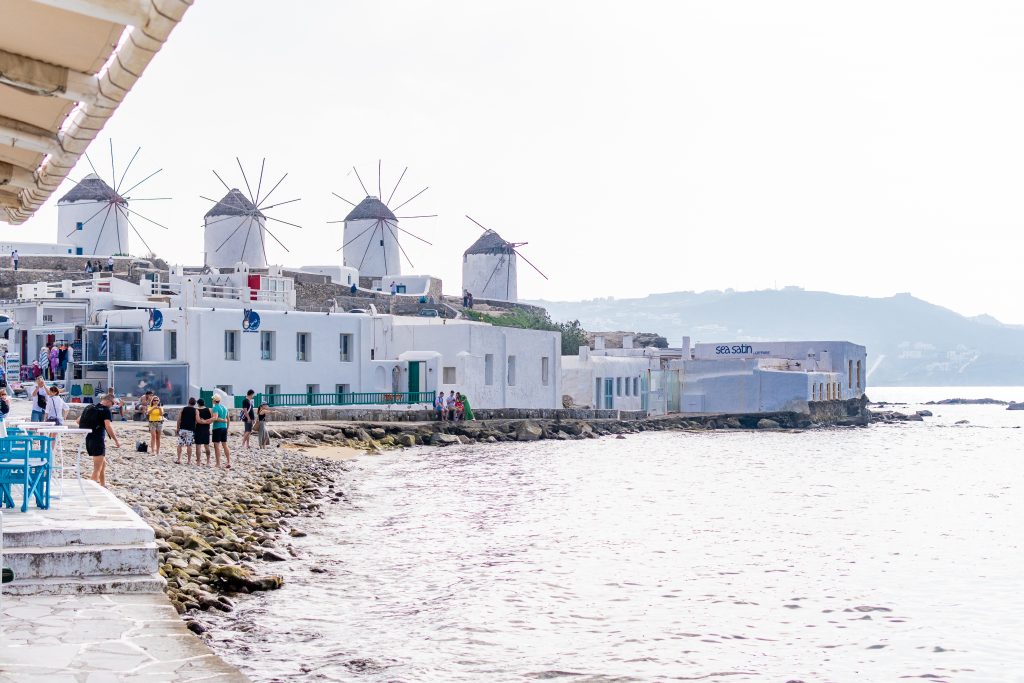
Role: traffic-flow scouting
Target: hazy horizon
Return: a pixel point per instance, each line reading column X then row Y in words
column 866, row 150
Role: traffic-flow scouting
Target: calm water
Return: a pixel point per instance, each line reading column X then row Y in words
column 877, row 554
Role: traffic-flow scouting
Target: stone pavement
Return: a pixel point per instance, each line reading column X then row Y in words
column 100, row 639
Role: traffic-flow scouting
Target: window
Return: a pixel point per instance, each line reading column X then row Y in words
column 79, row 226
column 448, row 375
column 511, row 371
column 267, row 344
column 230, row 345
column 858, row 374
column 373, row 352
column 227, row 389
column 342, row 389
column 597, row 392
column 489, row 369
column 172, row 344
column 544, row 370
column 629, row 386
column 636, row 386
column 345, row 346
column 302, row 350
column 618, row 386
column 271, row 389
column 312, row 388
column 849, row 374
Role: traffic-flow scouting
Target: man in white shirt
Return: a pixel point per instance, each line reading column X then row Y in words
column 110, row 263
column 15, row 257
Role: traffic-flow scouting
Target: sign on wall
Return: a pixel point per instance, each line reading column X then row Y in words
column 156, row 320
column 250, row 320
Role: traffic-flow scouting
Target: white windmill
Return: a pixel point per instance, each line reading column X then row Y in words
column 370, row 239
column 94, row 216
column 235, row 229
column 489, row 267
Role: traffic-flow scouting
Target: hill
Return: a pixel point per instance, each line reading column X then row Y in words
column 910, row 342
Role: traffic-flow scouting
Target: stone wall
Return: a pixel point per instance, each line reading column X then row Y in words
column 839, row 412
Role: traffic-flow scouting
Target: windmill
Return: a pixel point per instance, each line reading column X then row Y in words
column 235, row 229
column 370, row 239
column 95, row 215
column 489, row 266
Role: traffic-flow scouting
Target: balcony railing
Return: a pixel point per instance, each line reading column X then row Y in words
column 364, row 398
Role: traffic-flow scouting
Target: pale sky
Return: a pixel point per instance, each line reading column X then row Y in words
column 863, row 148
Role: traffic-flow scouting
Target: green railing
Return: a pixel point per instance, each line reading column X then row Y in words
column 365, row 398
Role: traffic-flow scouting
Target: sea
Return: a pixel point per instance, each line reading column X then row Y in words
column 888, row 553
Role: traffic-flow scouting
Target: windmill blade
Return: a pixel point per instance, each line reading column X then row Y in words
column 125, row 174
column 113, row 173
column 343, row 199
column 494, row 272
column 221, row 219
column 259, row 185
column 215, row 201
column 125, row 216
column 396, row 186
column 246, row 179
column 144, row 180
column 136, row 213
column 355, row 238
column 400, row 248
column 361, row 182
column 107, row 204
column 277, row 240
column 102, row 227
column 245, row 243
column 432, row 215
column 368, row 243
column 147, row 199
column 264, row 208
column 237, row 227
column 410, row 199
column 479, row 224
column 275, row 187
column 221, row 181
column 263, row 246
column 379, row 193
column 531, row 264
column 94, row 171
column 294, row 225
column 398, row 227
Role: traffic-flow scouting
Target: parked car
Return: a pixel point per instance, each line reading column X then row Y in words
column 5, row 326
column 358, row 310
column 429, row 313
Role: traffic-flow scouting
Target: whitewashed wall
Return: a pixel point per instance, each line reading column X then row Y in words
column 37, row 249
column 237, row 247
column 477, row 270
column 365, row 252
column 749, row 385
column 95, row 238
column 581, row 374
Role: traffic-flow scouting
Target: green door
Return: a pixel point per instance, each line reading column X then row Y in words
column 414, row 377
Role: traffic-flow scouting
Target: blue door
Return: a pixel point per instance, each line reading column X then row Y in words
column 609, row 392
column 78, row 251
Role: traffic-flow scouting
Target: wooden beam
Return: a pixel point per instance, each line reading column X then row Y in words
column 127, row 12
column 43, row 78
column 26, row 136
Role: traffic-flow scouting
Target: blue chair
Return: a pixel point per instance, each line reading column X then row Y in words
column 26, row 461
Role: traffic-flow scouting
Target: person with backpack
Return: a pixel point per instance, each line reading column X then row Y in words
column 38, row 398
column 56, row 408
column 155, row 417
column 96, row 418
column 248, row 417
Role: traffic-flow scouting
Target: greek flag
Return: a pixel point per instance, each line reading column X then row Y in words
column 104, row 340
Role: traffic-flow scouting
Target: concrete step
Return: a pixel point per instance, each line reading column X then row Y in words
column 85, row 535
column 86, row 585
column 38, row 562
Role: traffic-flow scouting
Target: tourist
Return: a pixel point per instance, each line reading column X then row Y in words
column 116, row 403
column 465, row 298
column 110, row 264
column 38, row 398
column 15, row 257
column 264, row 432
column 97, row 418
column 449, row 406
column 56, row 408
column 353, row 290
column 219, row 432
column 204, row 418
column 36, row 372
column 54, row 361
column 439, row 406
column 44, row 360
column 248, row 415
column 5, row 407
column 88, row 267
column 155, row 417
column 458, row 407
column 62, row 361
column 142, row 407
column 470, row 299
column 394, row 288
column 186, row 428
column 467, row 410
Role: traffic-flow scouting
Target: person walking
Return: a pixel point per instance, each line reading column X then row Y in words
column 394, row 288
column 465, row 298
column 155, row 417
column 219, row 432
column 56, row 408
column 264, row 432
column 353, row 290
column 186, row 429
column 204, row 418
column 248, row 416
column 62, row 361
column 38, row 397
column 110, row 264
column 15, row 257
column 54, row 362
column 97, row 418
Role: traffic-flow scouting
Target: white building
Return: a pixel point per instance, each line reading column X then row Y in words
column 615, row 379
column 90, row 221
column 489, row 268
column 371, row 240
column 234, row 232
column 753, row 377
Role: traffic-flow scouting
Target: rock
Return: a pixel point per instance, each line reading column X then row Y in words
column 439, row 439
column 316, row 569
column 1015, row 406
column 463, row 439
column 924, row 413
column 765, row 423
column 377, row 433
column 407, row 440
column 619, row 436
column 196, row 627
column 962, row 422
column 913, row 418
column 273, row 556
column 528, row 431
column 363, row 435
column 296, row 533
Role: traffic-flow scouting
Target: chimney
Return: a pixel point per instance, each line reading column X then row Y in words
column 687, row 355
column 584, row 353
column 627, row 341
column 599, row 342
